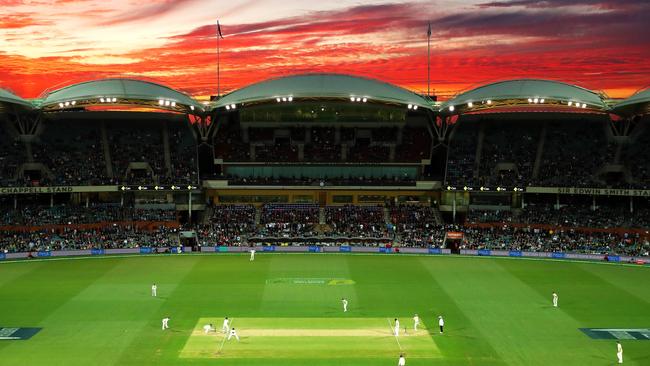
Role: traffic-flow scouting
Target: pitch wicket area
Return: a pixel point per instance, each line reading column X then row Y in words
column 321, row 338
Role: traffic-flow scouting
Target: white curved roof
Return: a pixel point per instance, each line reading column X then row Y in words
column 529, row 88
column 11, row 98
column 633, row 103
column 323, row 86
column 120, row 88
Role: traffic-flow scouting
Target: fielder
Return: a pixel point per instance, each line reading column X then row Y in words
column 554, row 300
column 252, row 255
column 619, row 352
column 345, row 304
column 208, row 328
column 441, row 323
column 165, row 323
column 402, row 361
column 233, row 334
column 225, row 326
column 396, row 331
column 416, row 322
column 154, row 290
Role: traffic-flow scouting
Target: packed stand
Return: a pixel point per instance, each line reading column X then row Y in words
column 289, row 220
column 461, row 158
column 356, row 221
column 228, row 225
column 416, row 226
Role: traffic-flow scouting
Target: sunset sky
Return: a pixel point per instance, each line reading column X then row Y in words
column 598, row 44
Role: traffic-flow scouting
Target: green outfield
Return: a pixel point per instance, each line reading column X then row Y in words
column 287, row 311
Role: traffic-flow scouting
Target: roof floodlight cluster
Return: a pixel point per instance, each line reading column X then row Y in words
column 576, row 104
column 412, row 106
column 284, row 99
column 355, row 98
column 70, row 103
column 231, row 106
column 536, row 100
column 166, row 103
column 107, row 99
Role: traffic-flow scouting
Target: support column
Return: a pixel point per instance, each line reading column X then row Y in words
column 189, row 206
column 307, row 135
column 344, row 152
column 593, row 203
column 244, row 134
column 301, row 152
column 391, row 153
column 252, row 152
column 631, row 204
column 51, row 200
column 87, row 201
column 337, row 135
column 400, row 134
column 557, row 201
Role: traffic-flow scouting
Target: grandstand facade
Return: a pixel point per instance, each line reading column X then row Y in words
column 325, row 158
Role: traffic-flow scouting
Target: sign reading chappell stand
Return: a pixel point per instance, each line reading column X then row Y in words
column 57, row 189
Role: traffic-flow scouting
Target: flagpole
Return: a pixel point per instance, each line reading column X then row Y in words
column 218, row 64
column 429, row 61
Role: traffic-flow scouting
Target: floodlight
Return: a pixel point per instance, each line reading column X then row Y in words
column 67, row 104
column 73, row 102
column 489, row 101
column 410, row 106
column 541, row 100
column 451, row 108
column 290, row 98
column 530, row 100
column 584, row 105
column 351, row 99
column 192, row 107
column 161, row 102
column 358, row 99
column 364, row 100
column 114, row 100
column 415, row 108
column 60, row 105
column 570, row 103
column 101, row 100
column 536, row 100
column 470, row 104
column 233, row 106
column 227, row 107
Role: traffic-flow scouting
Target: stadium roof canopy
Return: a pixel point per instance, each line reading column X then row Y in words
column 322, row 86
column 11, row 98
column 520, row 94
column 118, row 92
column 638, row 103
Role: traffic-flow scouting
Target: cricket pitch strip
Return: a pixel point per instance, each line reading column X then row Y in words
column 310, row 338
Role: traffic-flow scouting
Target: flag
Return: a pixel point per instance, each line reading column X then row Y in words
column 429, row 30
column 221, row 35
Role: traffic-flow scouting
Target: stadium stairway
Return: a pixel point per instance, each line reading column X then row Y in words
column 387, row 220
column 540, row 152
column 321, row 216
column 107, row 151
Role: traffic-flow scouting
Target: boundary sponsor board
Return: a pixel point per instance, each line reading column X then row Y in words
column 485, row 252
column 314, row 249
column 44, row 253
column 345, row 248
column 17, row 334
column 146, row 250
column 97, row 251
column 639, row 334
column 270, row 248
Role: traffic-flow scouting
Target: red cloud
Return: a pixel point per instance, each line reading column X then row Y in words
column 388, row 42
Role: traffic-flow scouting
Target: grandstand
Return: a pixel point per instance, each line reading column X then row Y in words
column 329, row 159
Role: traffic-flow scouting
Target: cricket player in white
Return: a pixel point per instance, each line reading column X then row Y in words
column 165, row 323
column 402, row 361
column 554, row 300
column 416, row 322
column 225, row 326
column 441, row 323
column 252, row 255
column 208, row 328
column 233, row 334
column 154, row 290
column 345, row 305
column 619, row 352
column 396, row 327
